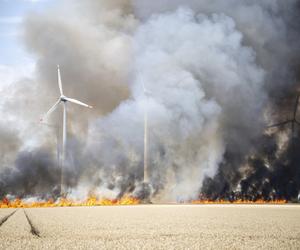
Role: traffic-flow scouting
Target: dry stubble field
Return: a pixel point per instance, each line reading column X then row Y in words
column 152, row 227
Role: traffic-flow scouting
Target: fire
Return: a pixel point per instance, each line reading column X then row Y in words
column 126, row 200
column 64, row 202
column 239, row 202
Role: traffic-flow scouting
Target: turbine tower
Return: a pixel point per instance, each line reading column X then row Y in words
column 146, row 173
column 63, row 99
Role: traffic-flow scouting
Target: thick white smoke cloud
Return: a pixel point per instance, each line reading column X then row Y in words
column 197, row 72
column 268, row 26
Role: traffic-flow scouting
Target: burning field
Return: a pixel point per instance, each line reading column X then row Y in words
column 64, row 202
column 191, row 103
column 186, row 135
column 127, row 200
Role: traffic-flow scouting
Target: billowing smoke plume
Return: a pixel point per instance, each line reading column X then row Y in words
column 216, row 73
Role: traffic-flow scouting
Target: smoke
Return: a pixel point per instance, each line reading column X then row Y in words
column 34, row 174
column 93, row 54
column 194, row 88
column 216, row 74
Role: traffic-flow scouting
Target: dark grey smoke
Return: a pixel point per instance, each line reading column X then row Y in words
column 35, row 174
column 218, row 73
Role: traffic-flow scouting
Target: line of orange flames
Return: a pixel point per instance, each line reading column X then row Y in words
column 239, row 202
column 63, row 202
column 126, row 200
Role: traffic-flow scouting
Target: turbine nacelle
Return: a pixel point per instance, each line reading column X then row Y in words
column 63, row 98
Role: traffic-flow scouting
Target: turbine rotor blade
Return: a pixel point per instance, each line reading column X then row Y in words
column 280, row 124
column 59, row 80
column 143, row 84
column 144, row 88
column 146, row 91
column 78, row 102
column 51, row 110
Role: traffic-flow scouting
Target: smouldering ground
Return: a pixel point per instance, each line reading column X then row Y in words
column 153, row 227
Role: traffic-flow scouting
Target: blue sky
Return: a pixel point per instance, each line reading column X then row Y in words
column 12, row 12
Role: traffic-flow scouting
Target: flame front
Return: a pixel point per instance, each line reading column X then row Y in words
column 126, row 200
column 64, row 202
column 260, row 201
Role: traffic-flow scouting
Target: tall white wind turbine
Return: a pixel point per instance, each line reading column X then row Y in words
column 63, row 99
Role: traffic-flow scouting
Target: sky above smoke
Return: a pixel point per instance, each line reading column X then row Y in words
column 211, row 70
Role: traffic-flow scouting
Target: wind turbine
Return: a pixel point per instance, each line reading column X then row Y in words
column 293, row 121
column 63, row 99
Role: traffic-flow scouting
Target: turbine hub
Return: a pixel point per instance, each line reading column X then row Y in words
column 63, row 98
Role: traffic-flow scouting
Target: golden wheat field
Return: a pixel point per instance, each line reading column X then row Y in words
column 152, row 227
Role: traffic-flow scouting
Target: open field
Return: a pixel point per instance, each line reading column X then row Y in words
column 153, row 227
